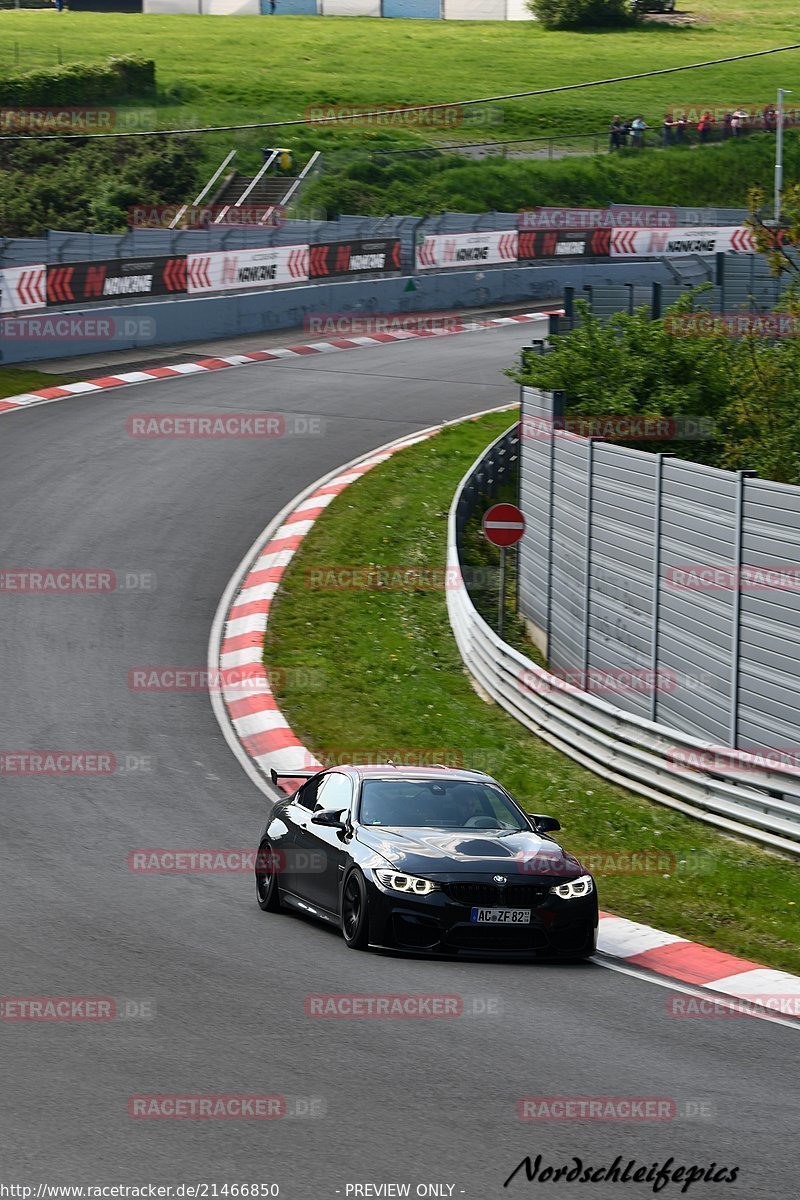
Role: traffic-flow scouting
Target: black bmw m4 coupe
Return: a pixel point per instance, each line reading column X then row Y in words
column 425, row 860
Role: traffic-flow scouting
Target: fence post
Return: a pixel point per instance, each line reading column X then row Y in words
column 736, row 614
column 658, row 498
column 587, row 559
column 720, row 280
column 556, row 414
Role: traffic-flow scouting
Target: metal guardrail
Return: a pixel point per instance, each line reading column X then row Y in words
column 750, row 801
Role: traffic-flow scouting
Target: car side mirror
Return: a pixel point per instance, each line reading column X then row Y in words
column 333, row 820
column 544, row 824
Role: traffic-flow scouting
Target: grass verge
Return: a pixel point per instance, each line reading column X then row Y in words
column 16, row 380
column 387, row 676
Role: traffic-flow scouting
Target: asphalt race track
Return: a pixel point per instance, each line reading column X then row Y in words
column 406, row 1101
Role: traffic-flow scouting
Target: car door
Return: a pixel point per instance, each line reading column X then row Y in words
column 298, row 814
column 323, row 850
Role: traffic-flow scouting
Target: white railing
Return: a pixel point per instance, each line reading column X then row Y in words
column 301, row 178
column 265, row 166
column 202, row 195
column 742, row 798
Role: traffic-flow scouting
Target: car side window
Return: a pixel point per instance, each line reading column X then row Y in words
column 335, row 793
column 306, row 796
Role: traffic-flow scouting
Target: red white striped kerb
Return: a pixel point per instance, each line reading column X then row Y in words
column 64, row 391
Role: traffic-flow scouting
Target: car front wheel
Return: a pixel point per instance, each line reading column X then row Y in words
column 355, row 912
column 267, row 893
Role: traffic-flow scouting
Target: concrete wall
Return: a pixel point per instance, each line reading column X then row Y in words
column 203, row 317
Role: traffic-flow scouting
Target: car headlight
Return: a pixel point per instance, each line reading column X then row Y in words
column 396, row 881
column 583, row 886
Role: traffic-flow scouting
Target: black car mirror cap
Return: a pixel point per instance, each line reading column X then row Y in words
column 334, row 820
column 544, row 824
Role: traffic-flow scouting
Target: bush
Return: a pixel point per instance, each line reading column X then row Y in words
column 90, row 184
column 78, row 84
column 582, row 14
column 720, row 174
column 633, row 366
column 137, row 75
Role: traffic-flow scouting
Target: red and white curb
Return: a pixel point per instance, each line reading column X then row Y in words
column 109, row 382
column 723, row 974
column 262, row 738
column 236, row 648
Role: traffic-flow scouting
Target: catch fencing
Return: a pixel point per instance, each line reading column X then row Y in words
column 681, row 575
column 60, row 246
column 751, row 795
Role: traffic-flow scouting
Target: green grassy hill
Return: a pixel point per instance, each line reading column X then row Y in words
column 218, row 70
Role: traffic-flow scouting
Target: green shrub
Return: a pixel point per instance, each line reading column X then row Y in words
column 718, row 174
column 137, row 74
column 80, row 83
column 90, row 184
column 582, row 14
column 633, row 366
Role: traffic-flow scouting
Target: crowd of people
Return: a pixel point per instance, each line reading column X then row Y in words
column 679, row 129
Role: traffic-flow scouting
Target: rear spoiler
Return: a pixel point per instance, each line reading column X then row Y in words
column 307, row 774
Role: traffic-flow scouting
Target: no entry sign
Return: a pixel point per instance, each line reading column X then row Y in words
column 503, row 524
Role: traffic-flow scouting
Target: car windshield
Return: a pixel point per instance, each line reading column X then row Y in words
column 437, row 804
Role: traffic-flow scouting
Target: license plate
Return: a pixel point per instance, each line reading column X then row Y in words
column 500, row 916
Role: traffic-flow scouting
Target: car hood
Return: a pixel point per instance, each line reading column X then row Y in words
column 436, row 852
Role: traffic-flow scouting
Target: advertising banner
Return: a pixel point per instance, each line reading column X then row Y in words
column 671, row 243
column 354, row 257
column 112, row 279
column 447, row 250
column 22, row 288
column 564, row 243
column 268, row 266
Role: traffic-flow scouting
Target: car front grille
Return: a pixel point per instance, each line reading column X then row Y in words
column 491, row 895
column 496, row 938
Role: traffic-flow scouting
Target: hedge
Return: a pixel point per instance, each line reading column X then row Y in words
column 81, row 83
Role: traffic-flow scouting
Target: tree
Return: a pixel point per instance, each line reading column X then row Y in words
column 686, row 365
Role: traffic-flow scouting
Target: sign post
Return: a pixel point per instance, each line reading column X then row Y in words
column 503, row 526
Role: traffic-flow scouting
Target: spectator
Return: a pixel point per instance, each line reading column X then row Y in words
column 624, row 130
column 705, row 126
column 739, row 122
column 727, row 125
column 681, row 126
column 638, row 127
column 669, row 129
column 770, row 119
column 614, row 138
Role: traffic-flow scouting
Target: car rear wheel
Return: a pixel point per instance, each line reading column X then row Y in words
column 267, row 893
column 355, row 912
